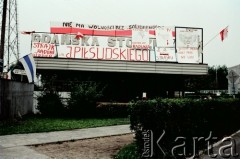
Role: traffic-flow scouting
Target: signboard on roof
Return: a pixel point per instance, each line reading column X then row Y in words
column 117, row 42
column 189, row 45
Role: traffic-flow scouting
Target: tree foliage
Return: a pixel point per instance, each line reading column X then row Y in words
column 50, row 104
column 83, row 98
column 214, row 80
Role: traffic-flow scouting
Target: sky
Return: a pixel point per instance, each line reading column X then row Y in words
column 211, row 15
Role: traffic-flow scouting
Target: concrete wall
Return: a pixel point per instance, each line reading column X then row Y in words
column 16, row 98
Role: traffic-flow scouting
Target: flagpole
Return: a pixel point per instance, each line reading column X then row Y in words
column 213, row 38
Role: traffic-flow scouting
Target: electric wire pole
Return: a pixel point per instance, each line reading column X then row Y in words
column 3, row 29
column 9, row 50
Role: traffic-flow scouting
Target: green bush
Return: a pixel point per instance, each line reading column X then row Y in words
column 183, row 117
column 128, row 152
column 83, row 99
column 112, row 109
column 50, row 104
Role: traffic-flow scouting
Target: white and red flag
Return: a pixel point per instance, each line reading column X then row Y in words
column 224, row 33
column 79, row 35
column 27, row 32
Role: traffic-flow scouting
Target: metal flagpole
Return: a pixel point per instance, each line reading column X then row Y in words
column 211, row 39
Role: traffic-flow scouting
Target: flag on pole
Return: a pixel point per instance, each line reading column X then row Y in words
column 79, row 35
column 224, row 33
column 29, row 66
column 27, row 32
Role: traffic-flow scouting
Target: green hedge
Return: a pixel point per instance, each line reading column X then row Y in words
column 183, row 117
column 50, row 104
column 112, row 109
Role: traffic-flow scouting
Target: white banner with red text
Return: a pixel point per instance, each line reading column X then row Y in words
column 140, row 45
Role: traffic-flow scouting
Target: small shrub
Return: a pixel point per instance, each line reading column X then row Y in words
column 50, row 104
column 83, row 99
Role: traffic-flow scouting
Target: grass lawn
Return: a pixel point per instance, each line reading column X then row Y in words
column 40, row 124
column 129, row 152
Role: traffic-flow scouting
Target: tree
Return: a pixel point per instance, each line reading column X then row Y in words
column 221, row 80
column 83, row 99
column 214, row 80
column 50, row 104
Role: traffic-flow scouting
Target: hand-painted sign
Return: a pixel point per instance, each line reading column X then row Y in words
column 189, row 45
column 113, row 42
column 165, row 37
column 140, row 39
column 88, row 47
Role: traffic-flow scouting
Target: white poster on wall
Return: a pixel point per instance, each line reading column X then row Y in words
column 43, row 46
column 188, row 37
column 165, row 54
column 189, row 45
column 88, row 47
column 188, row 55
column 165, row 36
column 140, row 38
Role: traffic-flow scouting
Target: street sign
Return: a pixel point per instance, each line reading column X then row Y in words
column 19, row 72
column 232, row 76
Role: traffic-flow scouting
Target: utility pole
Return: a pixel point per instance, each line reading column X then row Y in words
column 233, row 81
column 3, row 29
column 10, row 49
column 2, row 89
column 216, row 78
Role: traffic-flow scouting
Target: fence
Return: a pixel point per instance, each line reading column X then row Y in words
column 16, row 98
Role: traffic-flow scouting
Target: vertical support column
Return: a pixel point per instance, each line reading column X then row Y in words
column 4, row 16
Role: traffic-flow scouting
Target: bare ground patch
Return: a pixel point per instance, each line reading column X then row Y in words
column 96, row 148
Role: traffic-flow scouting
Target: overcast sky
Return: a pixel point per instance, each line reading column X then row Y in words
column 211, row 15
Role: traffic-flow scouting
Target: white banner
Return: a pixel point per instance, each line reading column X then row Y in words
column 165, row 36
column 140, row 39
column 40, row 49
column 188, row 55
column 129, row 45
column 187, row 37
column 189, row 45
column 165, row 54
column 88, row 47
column 101, row 27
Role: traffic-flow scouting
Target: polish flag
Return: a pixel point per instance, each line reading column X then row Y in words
column 79, row 35
column 224, row 33
column 27, row 32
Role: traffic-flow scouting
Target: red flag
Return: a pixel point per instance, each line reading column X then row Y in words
column 79, row 35
column 224, row 33
column 27, row 32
